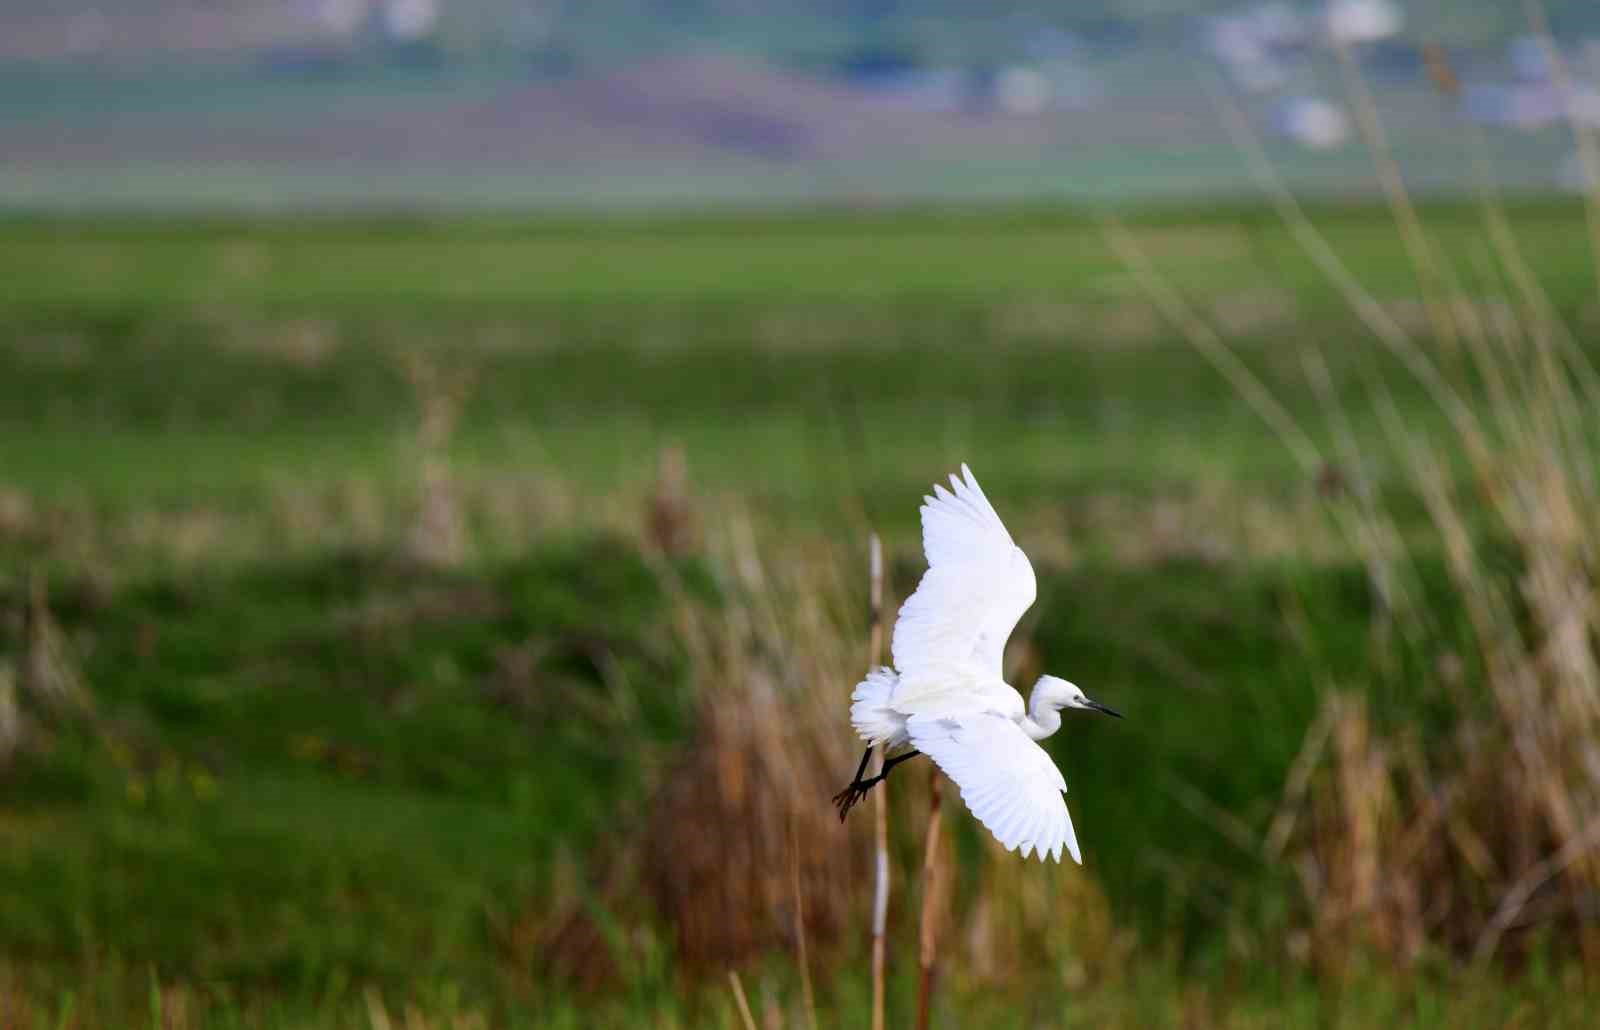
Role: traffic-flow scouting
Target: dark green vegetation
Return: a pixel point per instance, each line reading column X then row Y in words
column 317, row 763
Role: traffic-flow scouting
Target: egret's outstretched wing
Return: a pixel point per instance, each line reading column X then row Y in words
column 977, row 585
column 1006, row 779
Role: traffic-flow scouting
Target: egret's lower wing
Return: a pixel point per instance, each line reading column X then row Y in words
column 1005, row 777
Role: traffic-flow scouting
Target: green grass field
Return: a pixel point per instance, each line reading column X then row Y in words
column 320, row 772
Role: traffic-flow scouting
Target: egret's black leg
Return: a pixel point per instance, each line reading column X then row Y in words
column 866, row 756
column 846, row 799
column 891, row 763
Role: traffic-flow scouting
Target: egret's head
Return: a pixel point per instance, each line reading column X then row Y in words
column 1058, row 693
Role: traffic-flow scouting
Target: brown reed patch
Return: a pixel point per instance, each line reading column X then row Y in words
column 1213, row 521
column 43, row 687
column 11, row 728
column 1047, row 318
column 1259, row 310
column 1195, row 243
column 1471, row 842
column 17, row 515
column 1130, row 322
column 438, row 537
column 745, row 811
column 739, row 837
column 671, row 523
column 306, row 343
column 1491, row 827
column 49, row 672
column 822, row 326
column 1025, row 922
column 718, row 845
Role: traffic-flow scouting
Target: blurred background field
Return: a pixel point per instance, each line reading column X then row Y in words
column 468, row 105
column 437, row 464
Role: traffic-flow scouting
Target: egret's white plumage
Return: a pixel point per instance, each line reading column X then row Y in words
column 977, row 585
column 947, row 697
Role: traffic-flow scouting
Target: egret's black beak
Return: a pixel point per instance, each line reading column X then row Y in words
column 1098, row 707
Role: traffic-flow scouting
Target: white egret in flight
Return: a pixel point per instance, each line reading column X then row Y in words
column 947, row 697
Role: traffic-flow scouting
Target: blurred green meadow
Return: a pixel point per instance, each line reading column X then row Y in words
column 341, row 543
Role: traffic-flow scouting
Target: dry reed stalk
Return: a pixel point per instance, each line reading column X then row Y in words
column 1500, row 827
column 438, row 537
column 1410, row 849
column 48, row 675
column 671, row 521
column 1436, row 62
column 880, row 805
column 734, row 848
column 741, row 1001
column 377, row 1012
column 1588, row 147
column 928, row 943
column 1316, row 247
column 10, row 716
column 738, row 810
column 1209, row 344
column 808, row 997
column 1380, row 546
column 1537, row 308
column 1402, row 848
column 1419, row 251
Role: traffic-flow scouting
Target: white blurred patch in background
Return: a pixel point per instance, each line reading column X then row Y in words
column 1020, row 89
column 340, row 17
column 1312, row 122
column 1354, row 22
column 408, row 21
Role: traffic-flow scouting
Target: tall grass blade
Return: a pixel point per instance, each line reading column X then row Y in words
column 741, row 1001
column 880, row 806
column 807, row 995
column 928, row 943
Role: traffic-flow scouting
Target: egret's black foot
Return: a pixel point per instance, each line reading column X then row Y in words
column 846, row 799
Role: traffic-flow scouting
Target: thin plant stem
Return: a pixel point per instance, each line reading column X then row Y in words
column 1211, row 347
column 1517, row 898
column 1412, row 235
column 808, row 997
column 1366, row 307
column 1584, row 136
column 880, row 807
column 377, row 1012
column 928, row 944
column 741, row 1001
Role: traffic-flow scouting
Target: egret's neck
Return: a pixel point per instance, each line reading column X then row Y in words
column 1042, row 719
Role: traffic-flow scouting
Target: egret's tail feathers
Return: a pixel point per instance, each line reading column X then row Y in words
column 870, row 713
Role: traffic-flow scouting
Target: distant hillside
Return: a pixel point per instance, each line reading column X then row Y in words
column 459, row 103
column 936, row 30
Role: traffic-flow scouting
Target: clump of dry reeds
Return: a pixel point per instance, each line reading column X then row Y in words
column 49, row 674
column 671, row 520
column 739, row 852
column 44, row 685
column 1470, row 842
column 438, row 537
column 412, row 1018
column 744, row 812
column 1031, row 922
column 1464, row 841
column 10, row 716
